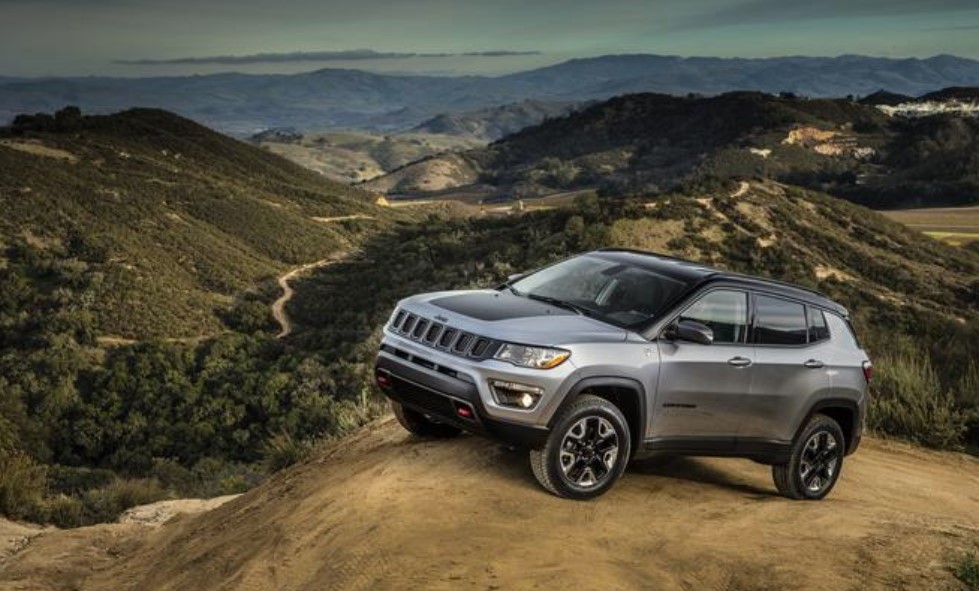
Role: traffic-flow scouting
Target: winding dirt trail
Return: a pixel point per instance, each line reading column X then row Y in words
column 384, row 510
column 279, row 306
column 741, row 190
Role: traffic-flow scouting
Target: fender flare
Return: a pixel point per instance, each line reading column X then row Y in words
column 634, row 387
column 851, row 405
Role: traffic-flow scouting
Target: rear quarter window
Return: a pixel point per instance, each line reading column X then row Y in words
column 818, row 329
column 841, row 331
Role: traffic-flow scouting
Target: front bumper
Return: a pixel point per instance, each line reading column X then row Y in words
column 441, row 396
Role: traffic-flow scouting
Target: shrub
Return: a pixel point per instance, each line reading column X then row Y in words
column 70, row 480
column 105, row 504
column 65, row 511
column 966, row 570
column 22, row 485
column 283, row 451
column 909, row 401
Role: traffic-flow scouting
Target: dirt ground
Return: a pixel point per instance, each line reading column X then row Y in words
column 383, row 510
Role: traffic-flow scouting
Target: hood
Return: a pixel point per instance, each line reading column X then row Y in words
column 504, row 316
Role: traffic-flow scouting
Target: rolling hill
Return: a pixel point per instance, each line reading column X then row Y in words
column 653, row 142
column 172, row 218
column 345, row 99
column 148, row 223
column 496, row 122
column 352, row 156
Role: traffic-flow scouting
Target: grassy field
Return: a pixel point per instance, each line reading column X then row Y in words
column 955, row 225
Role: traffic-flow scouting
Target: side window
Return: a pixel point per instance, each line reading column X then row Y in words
column 725, row 312
column 779, row 322
column 818, row 331
column 844, row 333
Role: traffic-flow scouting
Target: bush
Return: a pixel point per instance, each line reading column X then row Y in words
column 908, row 401
column 283, row 451
column 70, row 480
column 106, row 504
column 65, row 511
column 22, row 485
column 966, row 570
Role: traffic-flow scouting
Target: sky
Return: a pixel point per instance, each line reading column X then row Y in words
column 444, row 37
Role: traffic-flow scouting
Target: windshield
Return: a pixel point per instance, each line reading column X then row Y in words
column 620, row 294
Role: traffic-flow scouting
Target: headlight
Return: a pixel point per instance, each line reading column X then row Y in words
column 535, row 357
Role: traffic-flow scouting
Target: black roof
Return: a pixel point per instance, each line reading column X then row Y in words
column 696, row 274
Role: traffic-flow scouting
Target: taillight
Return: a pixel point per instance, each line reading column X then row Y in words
column 868, row 370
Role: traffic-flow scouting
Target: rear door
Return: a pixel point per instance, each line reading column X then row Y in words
column 701, row 386
column 792, row 366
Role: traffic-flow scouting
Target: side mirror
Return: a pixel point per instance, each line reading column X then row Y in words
column 690, row 330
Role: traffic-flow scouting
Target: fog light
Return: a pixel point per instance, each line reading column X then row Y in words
column 517, row 395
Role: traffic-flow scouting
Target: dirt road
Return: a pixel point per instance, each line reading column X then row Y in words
column 279, row 306
column 382, row 510
column 743, row 188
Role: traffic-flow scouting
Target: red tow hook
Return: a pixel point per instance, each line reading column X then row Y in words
column 383, row 379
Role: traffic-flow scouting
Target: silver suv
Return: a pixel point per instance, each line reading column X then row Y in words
column 591, row 361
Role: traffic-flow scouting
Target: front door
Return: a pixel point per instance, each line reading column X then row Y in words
column 701, row 386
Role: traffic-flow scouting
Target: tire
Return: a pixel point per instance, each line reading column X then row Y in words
column 815, row 463
column 586, row 451
column 416, row 423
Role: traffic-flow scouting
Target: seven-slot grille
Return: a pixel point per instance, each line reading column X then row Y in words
column 438, row 335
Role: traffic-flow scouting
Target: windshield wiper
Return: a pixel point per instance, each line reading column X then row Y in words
column 581, row 311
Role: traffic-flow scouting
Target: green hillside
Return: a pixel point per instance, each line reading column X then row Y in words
column 645, row 143
column 167, row 219
column 92, row 246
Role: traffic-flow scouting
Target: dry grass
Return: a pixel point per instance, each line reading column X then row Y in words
column 954, row 225
column 36, row 148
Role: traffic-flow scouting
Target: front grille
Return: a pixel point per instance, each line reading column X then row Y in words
column 419, row 360
column 440, row 336
column 423, row 398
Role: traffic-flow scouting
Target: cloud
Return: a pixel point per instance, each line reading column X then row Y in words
column 954, row 28
column 312, row 56
column 776, row 11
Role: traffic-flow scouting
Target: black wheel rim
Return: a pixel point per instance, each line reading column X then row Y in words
column 820, row 458
column 588, row 451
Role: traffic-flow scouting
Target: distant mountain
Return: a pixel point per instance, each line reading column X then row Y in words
column 653, row 143
column 960, row 93
column 169, row 220
column 495, row 122
column 331, row 99
column 883, row 97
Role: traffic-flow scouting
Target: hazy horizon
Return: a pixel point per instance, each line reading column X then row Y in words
column 119, row 38
column 390, row 67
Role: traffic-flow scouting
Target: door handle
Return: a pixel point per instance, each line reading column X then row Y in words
column 813, row 364
column 739, row 361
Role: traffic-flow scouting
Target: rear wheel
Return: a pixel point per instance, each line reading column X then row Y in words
column 586, row 452
column 416, row 423
column 815, row 463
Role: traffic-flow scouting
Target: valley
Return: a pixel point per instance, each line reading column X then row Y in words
column 955, row 225
column 657, row 144
column 159, row 231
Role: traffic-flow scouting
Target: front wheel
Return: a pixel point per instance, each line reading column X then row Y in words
column 815, row 463
column 586, row 452
column 416, row 423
